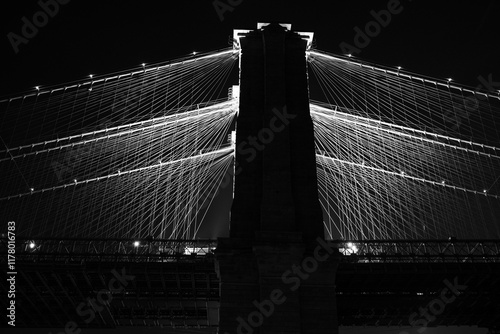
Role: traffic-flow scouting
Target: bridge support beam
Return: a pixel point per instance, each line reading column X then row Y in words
column 277, row 275
column 272, row 286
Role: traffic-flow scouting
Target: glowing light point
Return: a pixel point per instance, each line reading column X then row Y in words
column 485, row 191
column 91, row 76
column 194, row 53
column 399, row 67
column 136, row 243
column 143, row 64
column 349, row 55
column 351, row 248
column 443, row 182
column 74, row 180
column 449, row 79
column 32, row 245
column 32, row 189
column 37, row 87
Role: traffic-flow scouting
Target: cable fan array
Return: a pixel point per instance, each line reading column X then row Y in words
column 130, row 155
column 401, row 157
column 142, row 153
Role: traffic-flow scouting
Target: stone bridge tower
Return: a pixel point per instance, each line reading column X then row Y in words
column 277, row 274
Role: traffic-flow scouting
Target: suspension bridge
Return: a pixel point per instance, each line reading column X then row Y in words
column 137, row 170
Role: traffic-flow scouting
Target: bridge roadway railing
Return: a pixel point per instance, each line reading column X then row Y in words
column 140, row 250
column 415, row 251
column 166, row 250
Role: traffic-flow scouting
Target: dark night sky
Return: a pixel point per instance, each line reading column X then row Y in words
column 442, row 39
column 457, row 39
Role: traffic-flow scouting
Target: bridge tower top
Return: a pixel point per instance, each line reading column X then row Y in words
column 238, row 33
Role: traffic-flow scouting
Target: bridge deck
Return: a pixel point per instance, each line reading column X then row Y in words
column 174, row 283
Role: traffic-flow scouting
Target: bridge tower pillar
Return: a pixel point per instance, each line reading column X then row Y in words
column 277, row 274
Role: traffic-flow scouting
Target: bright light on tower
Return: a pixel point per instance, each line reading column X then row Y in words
column 32, row 245
column 233, row 138
column 136, row 243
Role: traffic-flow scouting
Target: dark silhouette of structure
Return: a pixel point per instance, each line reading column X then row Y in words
column 276, row 215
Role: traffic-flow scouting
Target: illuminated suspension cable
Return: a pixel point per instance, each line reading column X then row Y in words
column 121, row 156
